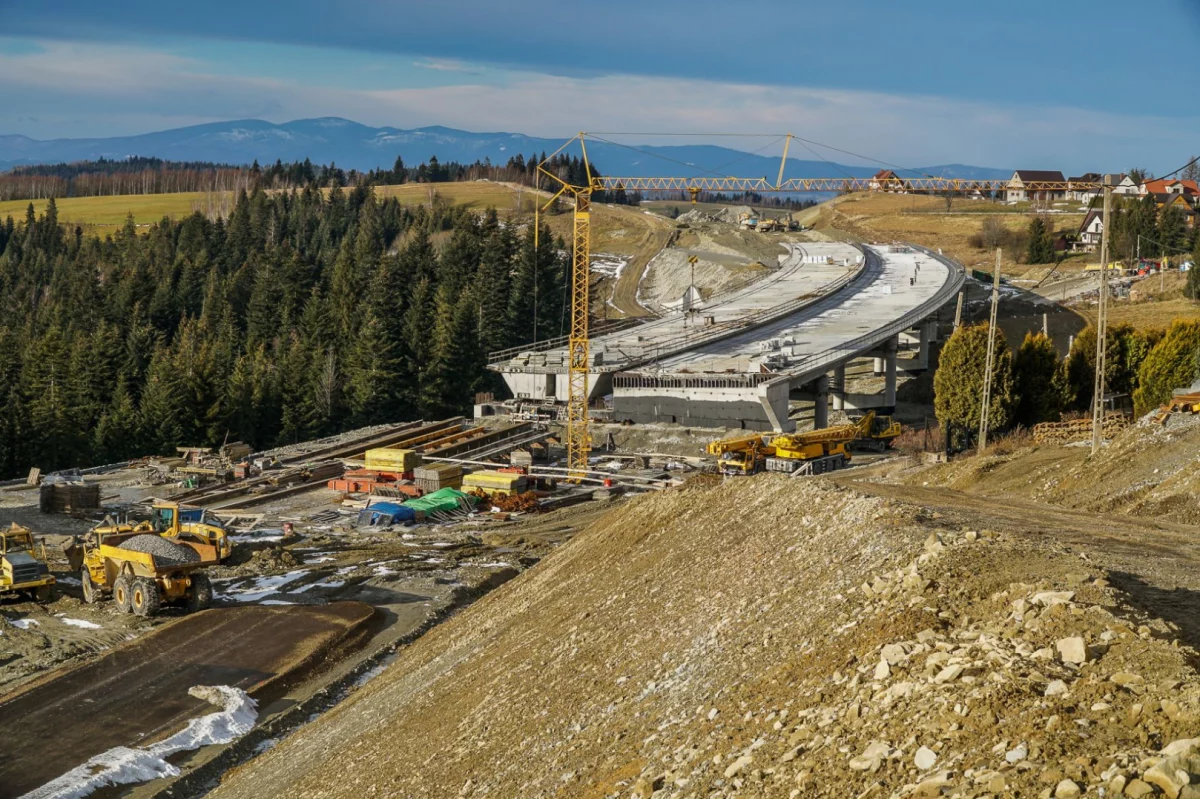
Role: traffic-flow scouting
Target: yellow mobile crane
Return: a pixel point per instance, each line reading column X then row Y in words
column 578, row 437
column 828, row 448
column 741, row 456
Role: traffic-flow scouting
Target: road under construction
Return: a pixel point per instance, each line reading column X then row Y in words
column 737, row 360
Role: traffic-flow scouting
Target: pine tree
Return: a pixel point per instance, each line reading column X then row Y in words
column 1036, row 382
column 371, row 376
column 1173, row 363
column 958, row 382
column 453, row 369
column 1041, row 242
column 116, row 436
column 162, row 406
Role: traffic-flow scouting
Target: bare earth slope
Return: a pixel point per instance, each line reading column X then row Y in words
column 1148, row 470
column 766, row 637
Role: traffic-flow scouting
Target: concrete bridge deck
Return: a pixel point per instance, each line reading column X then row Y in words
column 806, row 274
column 747, row 380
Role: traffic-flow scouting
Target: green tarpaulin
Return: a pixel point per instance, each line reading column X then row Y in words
column 444, row 499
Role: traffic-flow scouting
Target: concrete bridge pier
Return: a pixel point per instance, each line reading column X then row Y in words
column 838, row 389
column 889, row 376
column 821, row 400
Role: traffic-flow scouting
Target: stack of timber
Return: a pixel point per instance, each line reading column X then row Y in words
column 68, row 497
column 389, row 459
column 1077, row 429
column 436, row 476
column 496, row 483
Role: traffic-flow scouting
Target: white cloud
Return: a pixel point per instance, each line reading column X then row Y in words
column 446, row 65
column 119, row 90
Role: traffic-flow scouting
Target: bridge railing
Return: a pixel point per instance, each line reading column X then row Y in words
column 820, row 362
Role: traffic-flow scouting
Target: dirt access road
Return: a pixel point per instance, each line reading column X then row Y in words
column 139, row 692
column 1156, row 562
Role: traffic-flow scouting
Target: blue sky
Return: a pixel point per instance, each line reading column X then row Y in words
column 1102, row 84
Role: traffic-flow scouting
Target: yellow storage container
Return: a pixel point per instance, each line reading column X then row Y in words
column 502, row 483
column 393, row 460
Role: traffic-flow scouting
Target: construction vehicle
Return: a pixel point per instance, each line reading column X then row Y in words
column 741, row 456
column 877, row 432
column 175, row 521
column 141, row 582
column 828, row 448
column 747, row 222
column 768, row 225
column 21, row 568
column 792, row 225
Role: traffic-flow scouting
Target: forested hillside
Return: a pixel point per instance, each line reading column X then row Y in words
column 301, row 315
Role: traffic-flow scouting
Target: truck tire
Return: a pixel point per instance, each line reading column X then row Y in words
column 201, row 594
column 144, row 597
column 123, row 593
column 91, row 594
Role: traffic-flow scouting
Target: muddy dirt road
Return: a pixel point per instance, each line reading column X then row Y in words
column 139, row 692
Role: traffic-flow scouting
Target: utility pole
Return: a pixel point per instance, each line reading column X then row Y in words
column 1102, row 323
column 991, row 357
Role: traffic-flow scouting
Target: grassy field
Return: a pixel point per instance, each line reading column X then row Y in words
column 924, row 220
column 107, row 214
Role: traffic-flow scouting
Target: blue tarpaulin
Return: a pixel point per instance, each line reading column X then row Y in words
column 383, row 514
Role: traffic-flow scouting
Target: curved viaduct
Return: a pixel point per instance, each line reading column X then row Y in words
column 739, row 359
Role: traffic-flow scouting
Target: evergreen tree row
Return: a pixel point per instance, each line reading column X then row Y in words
column 299, row 316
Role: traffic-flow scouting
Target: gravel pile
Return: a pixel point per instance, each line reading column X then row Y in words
column 766, row 638
column 164, row 551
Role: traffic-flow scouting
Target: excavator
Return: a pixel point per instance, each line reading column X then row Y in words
column 814, row 452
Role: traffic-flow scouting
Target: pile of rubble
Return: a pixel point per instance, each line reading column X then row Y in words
column 164, row 551
column 771, row 637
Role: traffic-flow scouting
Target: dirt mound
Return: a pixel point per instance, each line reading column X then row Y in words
column 1148, row 470
column 765, row 637
column 164, row 551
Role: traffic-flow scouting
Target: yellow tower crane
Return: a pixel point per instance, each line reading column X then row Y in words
column 577, row 433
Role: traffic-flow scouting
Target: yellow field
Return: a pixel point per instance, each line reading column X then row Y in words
column 106, row 214
column 924, row 220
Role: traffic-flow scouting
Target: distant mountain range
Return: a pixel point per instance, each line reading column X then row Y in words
column 351, row 145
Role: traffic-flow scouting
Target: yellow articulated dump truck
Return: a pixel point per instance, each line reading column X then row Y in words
column 23, row 566
column 142, row 571
column 172, row 520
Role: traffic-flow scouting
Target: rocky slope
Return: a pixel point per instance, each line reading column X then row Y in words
column 769, row 637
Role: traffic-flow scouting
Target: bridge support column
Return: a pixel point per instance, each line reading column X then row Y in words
column 878, row 366
column 889, row 376
column 839, row 387
column 774, row 399
column 821, row 399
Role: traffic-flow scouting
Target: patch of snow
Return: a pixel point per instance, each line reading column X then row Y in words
column 124, row 765
column 68, row 580
column 261, row 587
column 375, row 670
column 82, row 623
column 321, row 584
column 24, row 624
column 322, row 559
column 276, row 602
column 265, row 535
